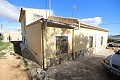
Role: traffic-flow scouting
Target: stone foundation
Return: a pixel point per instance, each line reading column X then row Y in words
column 59, row 59
column 67, row 57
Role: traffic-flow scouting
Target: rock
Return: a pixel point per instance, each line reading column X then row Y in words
column 39, row 74
column 35, row 70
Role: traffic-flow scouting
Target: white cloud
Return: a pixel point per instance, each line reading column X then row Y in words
column 9, row 11
column 96, row 21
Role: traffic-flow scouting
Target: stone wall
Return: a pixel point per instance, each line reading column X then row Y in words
column 68, row 57
column 59, row 59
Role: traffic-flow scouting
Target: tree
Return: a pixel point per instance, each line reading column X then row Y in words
column 1, row 37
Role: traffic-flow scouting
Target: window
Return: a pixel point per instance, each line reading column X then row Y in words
column 24, row 39
column 61, row 44
column 101, row 40
column 91, row 41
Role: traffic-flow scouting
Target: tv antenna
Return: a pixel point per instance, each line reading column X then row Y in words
column 73, row 10
column 48, row 6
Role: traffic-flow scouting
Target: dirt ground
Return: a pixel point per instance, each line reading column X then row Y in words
column 12, row 69
column 88, row 69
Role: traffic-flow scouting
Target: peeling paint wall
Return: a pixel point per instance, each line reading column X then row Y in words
column 50, row 34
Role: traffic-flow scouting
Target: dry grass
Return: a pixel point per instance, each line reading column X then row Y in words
column 4, row 45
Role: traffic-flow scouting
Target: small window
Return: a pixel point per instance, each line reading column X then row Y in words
column 24, row 39
column 101, row 40
column 61, row 44
column 90, row 41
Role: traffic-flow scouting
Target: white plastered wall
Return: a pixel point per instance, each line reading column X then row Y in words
column 82, row 39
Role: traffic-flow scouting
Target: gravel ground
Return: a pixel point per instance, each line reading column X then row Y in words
column 88, row 69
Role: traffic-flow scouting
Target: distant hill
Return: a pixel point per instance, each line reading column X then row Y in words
column 117, row 36
column 114, row 37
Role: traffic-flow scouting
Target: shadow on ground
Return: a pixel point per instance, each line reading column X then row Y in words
column 90, row 69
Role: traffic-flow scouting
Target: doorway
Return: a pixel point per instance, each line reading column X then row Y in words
column 61, row 44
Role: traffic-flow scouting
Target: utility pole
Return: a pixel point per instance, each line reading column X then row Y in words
column 73, row 9
column 1, row 26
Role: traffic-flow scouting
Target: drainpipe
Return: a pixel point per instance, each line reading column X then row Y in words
column 73, row 55
column 43, row 46
column 73, row 40
column 44, row 24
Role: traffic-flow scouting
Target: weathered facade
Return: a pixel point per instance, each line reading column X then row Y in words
column 87, row 38
column 91, row 39
column 49, row 40
column 56, row 39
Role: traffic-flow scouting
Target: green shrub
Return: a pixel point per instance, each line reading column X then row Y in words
column 4, row 45
column 111, row 40
column 1, row 37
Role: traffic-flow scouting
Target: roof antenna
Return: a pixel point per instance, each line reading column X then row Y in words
column 73, row 9
column 46, row 8
column 49, row 7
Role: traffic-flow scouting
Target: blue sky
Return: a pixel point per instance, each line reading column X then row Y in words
column 102, row 13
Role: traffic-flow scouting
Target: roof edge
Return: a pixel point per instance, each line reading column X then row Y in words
column 51, row 23
column 82, row 25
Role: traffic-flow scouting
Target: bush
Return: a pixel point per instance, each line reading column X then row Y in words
column 111, row 40
column 1, row 37
column 4, row 45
